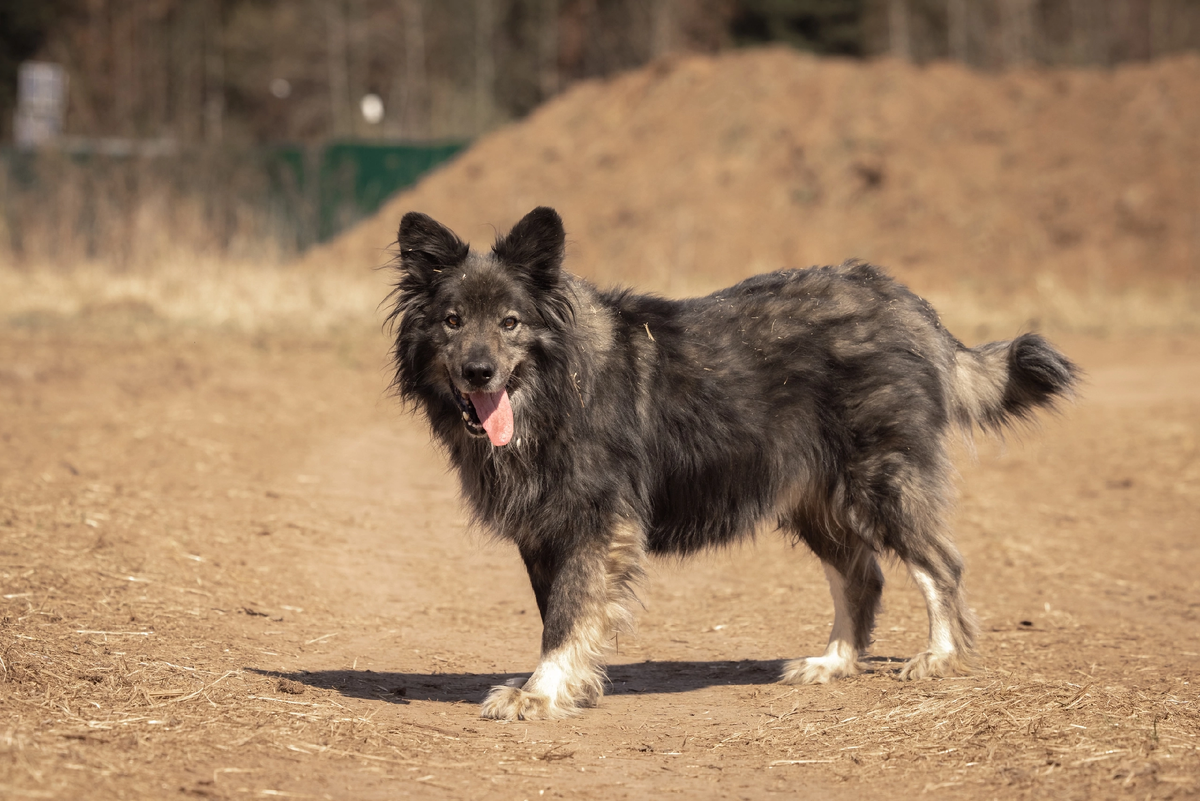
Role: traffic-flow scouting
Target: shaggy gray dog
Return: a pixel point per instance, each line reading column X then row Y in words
column 593, row 428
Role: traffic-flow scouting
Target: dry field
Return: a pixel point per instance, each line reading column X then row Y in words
column 231, row 567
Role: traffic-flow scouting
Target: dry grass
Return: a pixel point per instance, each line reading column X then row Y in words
column 244, row 297
column 995, row 731
column 982, row 314
column 60, row 209
column 253, row 297
column 101, row 703
column 84, row 699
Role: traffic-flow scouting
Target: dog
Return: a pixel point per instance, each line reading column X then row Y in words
column 594, row 428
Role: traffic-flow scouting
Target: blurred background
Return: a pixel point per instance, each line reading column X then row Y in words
column 1036, row 152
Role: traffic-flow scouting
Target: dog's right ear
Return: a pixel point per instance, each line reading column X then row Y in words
column 427, row 246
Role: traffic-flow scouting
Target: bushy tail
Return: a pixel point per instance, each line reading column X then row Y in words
column 1002, row 383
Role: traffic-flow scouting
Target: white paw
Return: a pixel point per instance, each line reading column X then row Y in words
column 934, row 664
column 819, row 669
column 514, row 703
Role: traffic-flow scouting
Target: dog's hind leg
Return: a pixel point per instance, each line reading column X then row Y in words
column 585, row 597
column 937, row 570
column 856, row 584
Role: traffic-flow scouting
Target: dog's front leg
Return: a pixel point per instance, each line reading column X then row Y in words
column 584, row 596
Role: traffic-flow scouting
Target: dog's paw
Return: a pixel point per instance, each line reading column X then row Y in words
column 819, row 670
column 933, row 664
column 514, row 703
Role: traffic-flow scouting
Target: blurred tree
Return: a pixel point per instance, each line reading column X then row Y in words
column 485, row 64
column 956, row 29
column 239, row 71
column 822, row 26
column 337, row 58
column 997, row 34
column 899, row 30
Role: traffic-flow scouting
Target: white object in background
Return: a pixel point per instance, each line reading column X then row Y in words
column 372, row 108
column 41, row 103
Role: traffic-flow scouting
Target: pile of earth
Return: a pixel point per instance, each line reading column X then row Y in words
column 697, row 171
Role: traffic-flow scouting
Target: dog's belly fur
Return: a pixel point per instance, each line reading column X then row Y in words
column 818, row 401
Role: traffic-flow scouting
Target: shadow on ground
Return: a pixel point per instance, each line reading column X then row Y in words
column 628, row 679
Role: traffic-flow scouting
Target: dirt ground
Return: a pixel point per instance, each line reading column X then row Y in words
column 231, row 567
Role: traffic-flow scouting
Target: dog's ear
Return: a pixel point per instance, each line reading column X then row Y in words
column 427, row 246
column 535, row 246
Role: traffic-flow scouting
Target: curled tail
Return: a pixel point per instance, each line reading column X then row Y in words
column 1002, row 383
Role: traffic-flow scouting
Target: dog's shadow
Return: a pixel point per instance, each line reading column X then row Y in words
column 648, row 677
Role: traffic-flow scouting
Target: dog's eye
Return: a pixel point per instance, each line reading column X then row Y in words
column 453, row 321
column 509, row 323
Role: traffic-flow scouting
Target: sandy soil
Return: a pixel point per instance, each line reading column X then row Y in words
column 231, row 567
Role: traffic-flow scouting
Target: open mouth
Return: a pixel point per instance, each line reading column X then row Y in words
column 486, row 414
column 469, row 415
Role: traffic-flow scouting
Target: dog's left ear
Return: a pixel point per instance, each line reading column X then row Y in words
column 535, row 246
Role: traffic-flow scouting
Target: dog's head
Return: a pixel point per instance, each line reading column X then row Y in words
column 472, row 324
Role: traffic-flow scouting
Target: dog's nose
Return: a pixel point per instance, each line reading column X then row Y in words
column 478, row 373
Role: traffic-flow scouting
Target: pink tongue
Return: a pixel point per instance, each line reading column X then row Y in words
column 495, row 412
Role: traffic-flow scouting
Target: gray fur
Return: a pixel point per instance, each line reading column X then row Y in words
column 819, row 400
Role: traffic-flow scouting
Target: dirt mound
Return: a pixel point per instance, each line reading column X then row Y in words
column 696, row 171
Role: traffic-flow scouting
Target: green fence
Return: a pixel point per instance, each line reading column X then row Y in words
column 334, row 186
column 131, row 201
